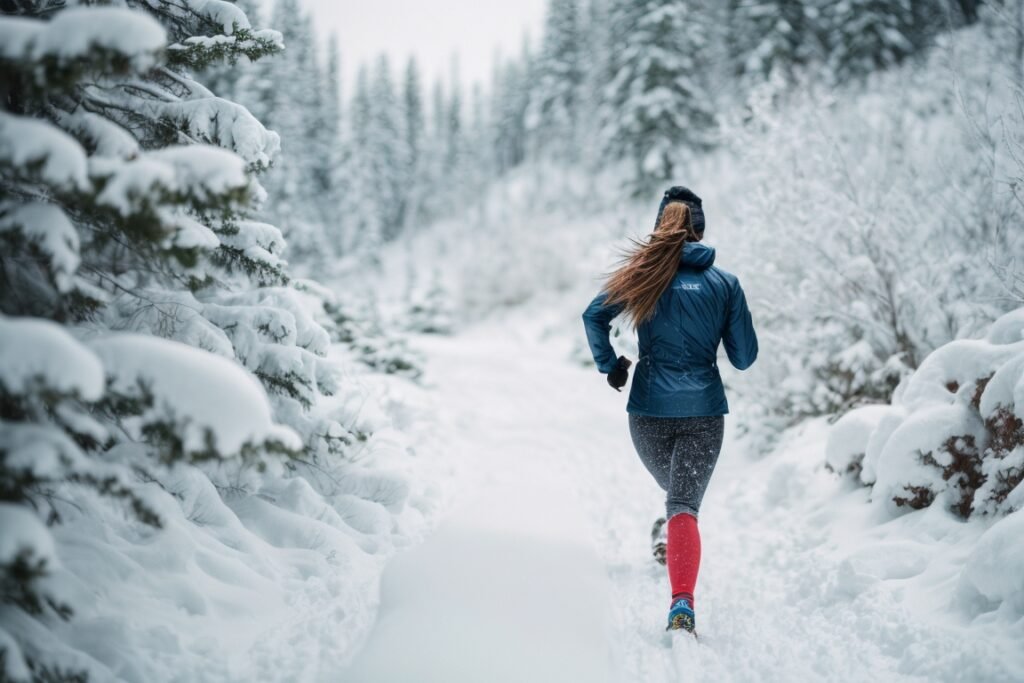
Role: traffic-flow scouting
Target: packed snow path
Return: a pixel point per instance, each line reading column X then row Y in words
column 541, row 570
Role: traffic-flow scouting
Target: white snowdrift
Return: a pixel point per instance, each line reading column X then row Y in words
column 995, row 569
column 954, row 438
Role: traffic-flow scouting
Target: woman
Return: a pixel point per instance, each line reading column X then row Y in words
column 682, row 307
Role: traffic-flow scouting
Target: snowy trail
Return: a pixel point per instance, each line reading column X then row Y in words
column 541, row 571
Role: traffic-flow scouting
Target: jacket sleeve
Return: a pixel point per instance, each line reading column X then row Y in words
column 739, row 337
column 597, row 321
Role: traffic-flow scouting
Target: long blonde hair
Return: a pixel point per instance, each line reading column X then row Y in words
column 647, row 268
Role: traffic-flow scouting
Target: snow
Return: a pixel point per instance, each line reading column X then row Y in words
column 540, row 567
column 962, row 363
column 34, row 350
column 226, row 14
column 74, row 33
column 79, row 30
column 102, row 135
column 848, row 439
column 995, row 569
column 252, row 575
column 223, row 123
column 21, row 532
column 260, row 242
column 923, row 432
column 1008, row 329
column 201, row 394
column 1006, row 388
column 203, row 172
column 48, row 227
column 14, row 664
column 27, row 142
column 17, row 34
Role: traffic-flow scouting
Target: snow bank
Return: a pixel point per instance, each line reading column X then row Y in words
column 995, row 569
column 954, row 437
column 955, row 424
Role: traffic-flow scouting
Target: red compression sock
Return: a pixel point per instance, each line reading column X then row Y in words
column 683, row 554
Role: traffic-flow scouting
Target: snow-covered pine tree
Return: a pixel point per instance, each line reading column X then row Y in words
column 364, row 229
column 430, row 310
column 863, row 36
column 771, row 38
column 452, row 131
column 555, row 102
column 125, row 188
column 511, row 95
column 597, row 49
column 657, row 102
column 386, row 150
column 294, row 109
column 326, row 164
column 478, row 167
column 414, row 123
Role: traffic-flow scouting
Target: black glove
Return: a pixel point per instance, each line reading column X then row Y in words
column 617, row 377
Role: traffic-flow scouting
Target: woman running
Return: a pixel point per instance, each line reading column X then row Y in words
column 682, row 306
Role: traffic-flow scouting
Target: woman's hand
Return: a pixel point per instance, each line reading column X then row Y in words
column 617, row 377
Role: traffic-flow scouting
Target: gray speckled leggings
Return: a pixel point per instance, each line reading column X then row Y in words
column 681, row 453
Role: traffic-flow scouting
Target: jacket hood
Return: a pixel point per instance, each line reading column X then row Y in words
column 697, row 255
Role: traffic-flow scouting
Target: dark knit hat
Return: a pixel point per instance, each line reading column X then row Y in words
column 678, row 193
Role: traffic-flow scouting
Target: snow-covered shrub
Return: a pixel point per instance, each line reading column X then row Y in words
column 954, row 433
column 848, row 439
column 354, row 322
column 837, row 207
column 429, row 310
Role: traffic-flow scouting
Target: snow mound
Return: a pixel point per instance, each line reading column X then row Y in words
column 848, row 439
column 995, row 570
column 956, row 426
column 953, row 436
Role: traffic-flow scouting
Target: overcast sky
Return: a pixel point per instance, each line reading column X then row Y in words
column 432, row 30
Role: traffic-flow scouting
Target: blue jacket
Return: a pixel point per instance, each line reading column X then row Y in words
column 677, row 373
